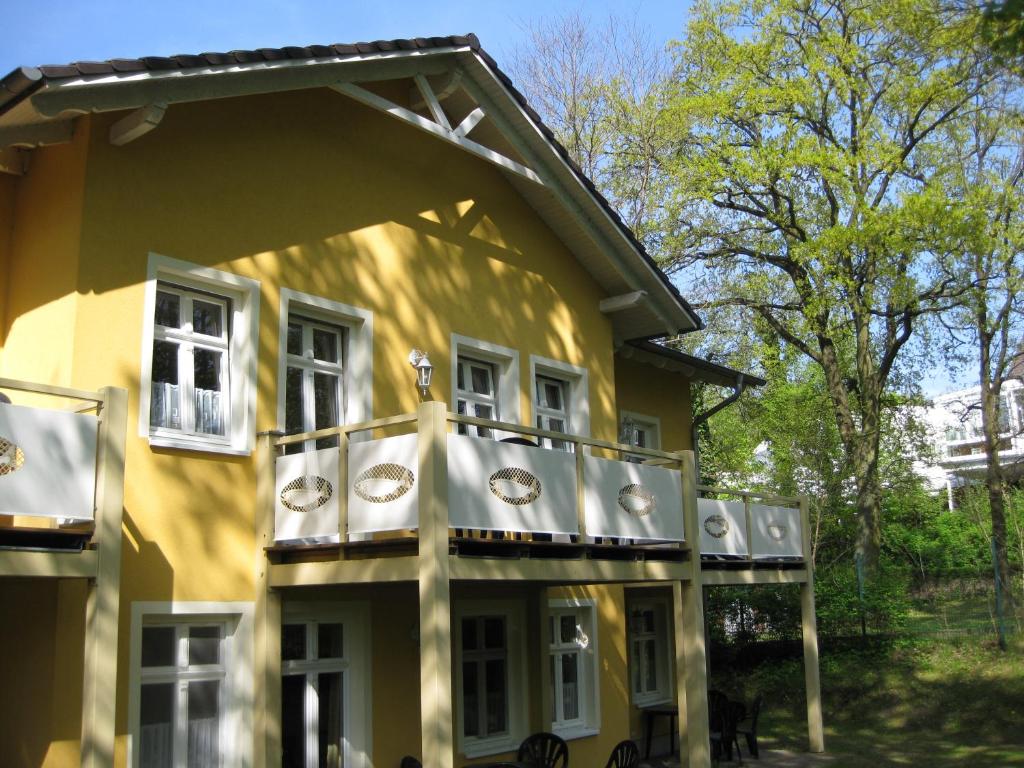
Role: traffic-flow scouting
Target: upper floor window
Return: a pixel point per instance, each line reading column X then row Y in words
column 476, row 394
column 485, row 383
column 552, row 410
column 325, row 375
column 313, row 379
column 561, row 400
column 198, row 358
column 641, row 431
column 190, row 393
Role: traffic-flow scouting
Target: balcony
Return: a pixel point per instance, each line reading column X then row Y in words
column 511, row 497
column 61, row 461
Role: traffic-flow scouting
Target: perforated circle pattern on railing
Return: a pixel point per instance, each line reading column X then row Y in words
column 303, row 487
column 524, row 484
column 777, row 530
column 12, row 458
column 636, row 500
column 716, row 526
column 402, row 478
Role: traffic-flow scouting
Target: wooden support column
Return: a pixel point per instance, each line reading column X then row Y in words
column 809, row 625
column 544, row 712
column 438, row 749
column 267, row 665
column 692, row 681
column 99, row 684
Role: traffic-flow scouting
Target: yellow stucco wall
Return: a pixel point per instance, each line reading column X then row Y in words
column 8, row 191
column 310, row 191
column 651, row 391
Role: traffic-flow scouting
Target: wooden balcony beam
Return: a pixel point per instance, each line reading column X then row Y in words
column 53, row 565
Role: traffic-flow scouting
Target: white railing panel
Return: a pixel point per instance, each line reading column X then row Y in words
column 775, row 532
column 723, row 527
column 382, row 491
column 508, row 487
column 306, row 496
column 632, row 501
column 47, row 462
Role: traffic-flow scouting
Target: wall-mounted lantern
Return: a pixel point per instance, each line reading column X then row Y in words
column 424, row 370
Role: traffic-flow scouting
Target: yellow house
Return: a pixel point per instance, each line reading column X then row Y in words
column 337, row 430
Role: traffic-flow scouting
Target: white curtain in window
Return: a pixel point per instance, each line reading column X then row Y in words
column 164, row 410
column 156, row 745
column 208, row 412
column 203, row 745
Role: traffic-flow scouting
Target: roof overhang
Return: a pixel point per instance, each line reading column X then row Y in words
column 39, row 107
column 693, row 368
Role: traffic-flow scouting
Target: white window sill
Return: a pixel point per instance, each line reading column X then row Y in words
column 196, row 444
column 576, row 732
column 651, row 701
column 481, row 748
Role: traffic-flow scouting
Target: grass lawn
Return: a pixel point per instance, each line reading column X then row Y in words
column 936, row 703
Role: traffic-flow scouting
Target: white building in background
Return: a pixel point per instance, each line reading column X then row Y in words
column 954, row 421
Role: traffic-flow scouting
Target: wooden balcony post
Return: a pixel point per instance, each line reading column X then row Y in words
column 99, row 683
column 809, row 626
column 438, row 749
column 691, row 653
column 543, row 711
column 267, row 672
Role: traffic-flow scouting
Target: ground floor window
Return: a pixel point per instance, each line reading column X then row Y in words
column 573, row 662
column 491, row 677
column 323, row 688
column 188, row 700
column 648, row 652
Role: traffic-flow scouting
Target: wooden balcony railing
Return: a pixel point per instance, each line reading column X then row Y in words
column 367, row 485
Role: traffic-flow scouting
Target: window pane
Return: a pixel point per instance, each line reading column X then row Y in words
column 637, row 668
column 293, row 415
column 293, row 721
column 293, row 642
column 495, row 689
column 553, row 396
column 481, row 380
column 203, row 724
column 554, row 687
column 331, row 719
column 470, row 699
column 165, row 402
column 168, row 309
column 204, row 645
column 648, row 621
column 570, row 686
column 325, row 396
column 469, row 639
column 567, row 625
column 650, row 666
column 460, row 375
column 209, row 404
column 294, row 338
column 156, row 725
column 329, row 645
column 326, row 345
column 494, row 633
column 207, row 318
column 483, row 412
column 158, row 647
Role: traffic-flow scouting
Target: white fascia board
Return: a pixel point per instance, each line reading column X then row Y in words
column 584, row 197
column 109, row 92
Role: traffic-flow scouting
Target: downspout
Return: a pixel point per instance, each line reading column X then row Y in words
column 737, row 390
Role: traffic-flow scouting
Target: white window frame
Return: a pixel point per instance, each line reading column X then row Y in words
column 237, row 660
column 589, row 721
column 243, row 322
column 357, row 352
column 514, row 614
column 577, row 388
column 662, row 635
column 651, row 423
column 355, row 619
column 505, row 362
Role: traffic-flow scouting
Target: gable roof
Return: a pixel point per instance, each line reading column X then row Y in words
column 571, row 205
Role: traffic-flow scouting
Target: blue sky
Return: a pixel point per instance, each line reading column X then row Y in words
column 60, row 31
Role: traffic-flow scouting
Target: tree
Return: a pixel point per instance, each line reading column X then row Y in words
column 988, row 178
column 808, row 140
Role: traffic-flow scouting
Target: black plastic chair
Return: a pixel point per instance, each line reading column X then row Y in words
column 625, row 754
column 544, row 750
column 722, row 716
column 750, row 733
column 410, row 762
